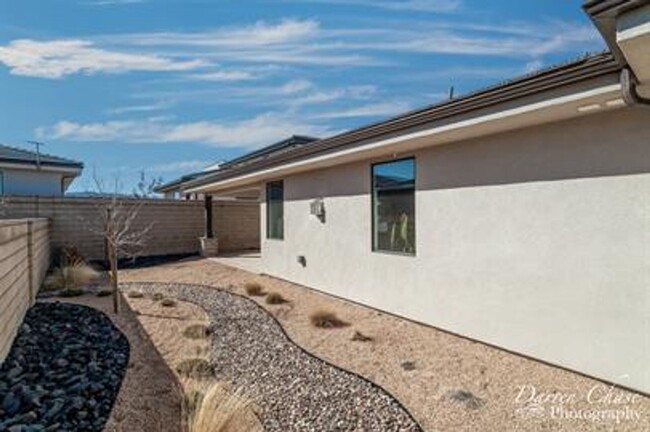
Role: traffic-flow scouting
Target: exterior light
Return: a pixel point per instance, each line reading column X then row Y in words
column 587, row 108
column 615, row 102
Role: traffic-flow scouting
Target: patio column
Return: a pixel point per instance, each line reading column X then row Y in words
column 208, row 216
column 209, row 244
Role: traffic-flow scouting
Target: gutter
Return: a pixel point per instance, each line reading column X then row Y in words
column 630, row 94
column 557, row 77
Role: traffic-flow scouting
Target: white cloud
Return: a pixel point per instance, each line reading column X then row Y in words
column 261, row 33
column 113, row 2
column 317, row 96
column 287, row 43
column 381, row 109
column 399, row 5
column 251, row 133
column 58, row 58
column 533, row 66
column 187, row 165
column 295, row 86
column 140, row 108
column 230, row 75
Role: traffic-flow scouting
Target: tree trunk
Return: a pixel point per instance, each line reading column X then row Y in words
column 112, row 258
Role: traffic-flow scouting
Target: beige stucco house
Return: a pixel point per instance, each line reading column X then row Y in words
column 518, row 215
column 27, row 173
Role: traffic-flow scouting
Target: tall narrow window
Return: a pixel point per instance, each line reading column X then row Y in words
column 393, row 202
column 2, row 183
column 275, row 210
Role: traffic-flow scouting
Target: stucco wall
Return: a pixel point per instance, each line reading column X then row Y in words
column 24, row 259
column 24, row 182
column 536, row 240
column 175, row 225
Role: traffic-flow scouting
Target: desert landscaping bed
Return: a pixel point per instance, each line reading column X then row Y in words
column 63, row 372
column 445, row 381
column 149, row 398
column 294, row 391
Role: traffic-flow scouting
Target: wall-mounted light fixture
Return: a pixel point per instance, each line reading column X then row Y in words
column 588, row 108
column 317, row 208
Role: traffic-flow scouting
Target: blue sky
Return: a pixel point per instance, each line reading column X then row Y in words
column 170, row 86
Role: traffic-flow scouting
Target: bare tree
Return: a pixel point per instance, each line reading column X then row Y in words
column 146, row 187
column 115, row 222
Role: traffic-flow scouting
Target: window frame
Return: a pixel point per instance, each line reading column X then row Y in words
column 268, row 209
column 2, row 183
column 373, row 247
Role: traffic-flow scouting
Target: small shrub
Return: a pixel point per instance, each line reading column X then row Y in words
column 408, row 365
column 195, row 368
column 196, row 331
column 168, row 302
column 157, row 296
column 275, row 299
column 360, row 337
column 67, row 256
column 213, row 407
column 72, row 292
column 254, row 289
column 135, row 294
column 327, row 320
column 470, row 401
column 72, row 276
column 104, row 292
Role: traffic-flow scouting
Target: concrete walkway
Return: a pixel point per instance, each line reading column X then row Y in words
column 250, row 261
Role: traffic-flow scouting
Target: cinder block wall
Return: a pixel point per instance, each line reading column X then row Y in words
column 24, row 259
column 237, row 224
column 175, row 225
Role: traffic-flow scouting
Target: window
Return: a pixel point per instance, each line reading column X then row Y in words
column 393, row 206
column 275, row 210
column 2, row 183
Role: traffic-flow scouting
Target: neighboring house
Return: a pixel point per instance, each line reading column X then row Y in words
column 176, row 189
column 516, row 215
column 24, row 172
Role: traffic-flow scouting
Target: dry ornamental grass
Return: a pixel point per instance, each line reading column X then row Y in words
column 327, row 320
column 275, row 299
column 196, row 331
column 213, row 407
column 254, row 289
column 168, row 302
column 195, row 368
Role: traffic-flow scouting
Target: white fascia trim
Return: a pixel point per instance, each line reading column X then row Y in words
column 500, row 115
column 633, row 24
column 45, row 168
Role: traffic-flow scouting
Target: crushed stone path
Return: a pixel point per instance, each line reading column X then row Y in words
column 295, row 390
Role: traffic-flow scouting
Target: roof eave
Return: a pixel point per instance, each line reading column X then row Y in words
column 576, row 72
column 603, row 13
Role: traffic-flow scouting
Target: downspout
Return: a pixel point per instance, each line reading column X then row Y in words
column 628, row 88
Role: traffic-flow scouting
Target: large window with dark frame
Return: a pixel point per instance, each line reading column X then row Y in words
column 393, row 206
column 275, row 210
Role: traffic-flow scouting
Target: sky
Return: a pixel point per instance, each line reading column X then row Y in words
column 169, row 87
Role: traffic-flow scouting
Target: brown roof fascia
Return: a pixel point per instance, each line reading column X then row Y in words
column 581, row 70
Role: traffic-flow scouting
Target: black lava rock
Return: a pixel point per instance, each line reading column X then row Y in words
column 63, row 372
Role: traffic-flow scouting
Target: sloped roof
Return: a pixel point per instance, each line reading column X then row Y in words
column 585, row 68
column 22, row 156
column 271, row 150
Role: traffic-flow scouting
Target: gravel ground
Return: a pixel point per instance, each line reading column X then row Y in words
column 63, row 372
column 294, row 390
column 431, row 372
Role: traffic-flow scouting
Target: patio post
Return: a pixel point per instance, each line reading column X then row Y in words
column 208, row 216
column 209, row 243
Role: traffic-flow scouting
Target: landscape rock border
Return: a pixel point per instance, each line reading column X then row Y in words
column 295, row 389
column 64, row 370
